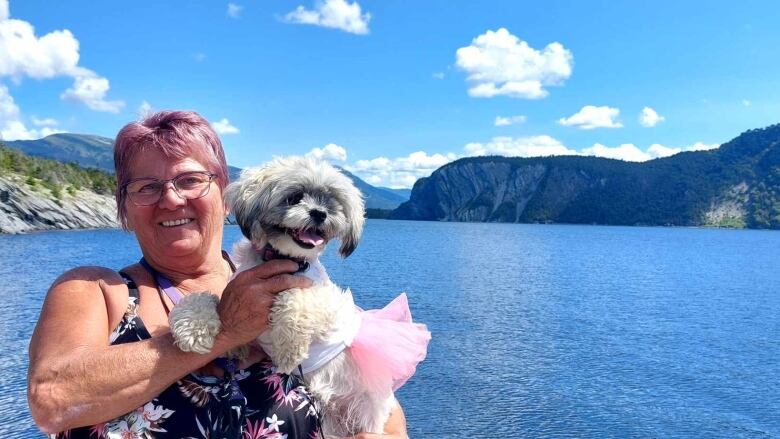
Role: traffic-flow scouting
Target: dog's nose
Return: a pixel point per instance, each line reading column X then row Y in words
column 318, row 215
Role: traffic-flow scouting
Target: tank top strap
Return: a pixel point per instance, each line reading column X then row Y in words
column 132, row 288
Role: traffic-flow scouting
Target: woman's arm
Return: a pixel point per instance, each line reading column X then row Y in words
column 76, row 378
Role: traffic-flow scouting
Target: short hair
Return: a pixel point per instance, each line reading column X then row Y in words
column 177, row 134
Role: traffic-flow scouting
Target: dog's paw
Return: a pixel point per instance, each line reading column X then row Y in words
column 195, row 322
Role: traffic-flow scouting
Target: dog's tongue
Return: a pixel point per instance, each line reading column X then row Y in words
column 310, row 237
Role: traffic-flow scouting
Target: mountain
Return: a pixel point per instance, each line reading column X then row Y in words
column 376, row 198
column 736, row 185
column 84, row 149
column 405, row 193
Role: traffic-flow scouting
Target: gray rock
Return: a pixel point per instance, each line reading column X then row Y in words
column 23, row 209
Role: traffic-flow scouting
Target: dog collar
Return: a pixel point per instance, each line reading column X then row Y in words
column 269, row 253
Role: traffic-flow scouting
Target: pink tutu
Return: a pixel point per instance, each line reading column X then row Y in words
column 388, row 345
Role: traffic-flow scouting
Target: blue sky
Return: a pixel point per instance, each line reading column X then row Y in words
column 392, row 90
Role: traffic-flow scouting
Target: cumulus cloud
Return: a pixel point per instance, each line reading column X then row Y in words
column 91, row 91
column 335, row 14
column 590, row 117
column 399, row 172
column 234, row 10
column 56, row 54
column 627, row 151
column 499, row 63
column 649, row 118
column 224, row 127
column 330, row 152
column 11, row 125
column 533, row 146
column 509, row 120
column 631, row 153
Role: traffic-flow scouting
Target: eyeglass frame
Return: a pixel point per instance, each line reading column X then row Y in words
column 164, row 183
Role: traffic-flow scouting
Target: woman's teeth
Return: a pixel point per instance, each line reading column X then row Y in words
column 174, row 223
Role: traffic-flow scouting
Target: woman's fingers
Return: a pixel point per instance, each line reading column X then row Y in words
column 272, row 268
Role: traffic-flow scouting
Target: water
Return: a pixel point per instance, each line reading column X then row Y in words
column 538, row 330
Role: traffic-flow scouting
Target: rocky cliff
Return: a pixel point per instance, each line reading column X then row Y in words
column 737, row 185
column 25, row 208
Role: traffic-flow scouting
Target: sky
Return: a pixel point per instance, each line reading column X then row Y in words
column 392, row 90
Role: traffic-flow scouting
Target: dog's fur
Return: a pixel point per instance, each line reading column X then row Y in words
column 272, row 204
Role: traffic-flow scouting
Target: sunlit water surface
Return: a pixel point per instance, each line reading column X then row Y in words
column 538, row 330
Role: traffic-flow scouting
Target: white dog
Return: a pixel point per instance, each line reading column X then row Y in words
column 352, row 360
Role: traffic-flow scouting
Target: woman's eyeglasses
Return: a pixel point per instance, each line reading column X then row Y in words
column 188, row 185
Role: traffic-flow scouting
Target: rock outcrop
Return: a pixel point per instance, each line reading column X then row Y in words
column 25, row 209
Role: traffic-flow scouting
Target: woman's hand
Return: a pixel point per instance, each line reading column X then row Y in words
column 247, row 299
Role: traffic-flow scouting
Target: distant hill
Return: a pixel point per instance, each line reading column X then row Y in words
column 737, row 185
column 83, row 149
column 405, row 193
column 376, row 198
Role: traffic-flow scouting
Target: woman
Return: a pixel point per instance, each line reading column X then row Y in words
column 102, row 359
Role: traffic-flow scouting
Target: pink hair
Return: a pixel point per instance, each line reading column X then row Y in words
column 177, row 134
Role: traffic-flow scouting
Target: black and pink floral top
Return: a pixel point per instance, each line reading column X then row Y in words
column 276, row 406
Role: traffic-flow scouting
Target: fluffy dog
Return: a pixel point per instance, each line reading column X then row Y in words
column 352, row 360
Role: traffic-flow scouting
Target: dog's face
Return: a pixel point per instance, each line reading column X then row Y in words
column 297, row 205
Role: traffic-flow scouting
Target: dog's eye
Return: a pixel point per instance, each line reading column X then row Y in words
column 294, row 199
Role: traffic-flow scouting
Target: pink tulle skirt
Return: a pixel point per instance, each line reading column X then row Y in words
column 388, row 346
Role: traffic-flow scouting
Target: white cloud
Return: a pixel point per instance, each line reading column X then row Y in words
column 509, row 120
column 199, row 57
column 401, row 171
column 656, row 150
column 533, row 146
column 330, row 152
column 145, row 109
column 56, row 54
column 47, row 122
column 11, row 126
column 234, row 10
column 590, row 117
column 224, row 127
column 438, row 75
column 627, row 151
column 649, row 118
column 630, row 152
column 91, row 91
column 746, row 102
column 499, row 63
column 335, row 14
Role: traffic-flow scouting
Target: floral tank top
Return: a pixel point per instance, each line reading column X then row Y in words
column 272, row 406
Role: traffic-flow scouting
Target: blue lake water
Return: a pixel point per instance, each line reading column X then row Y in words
column 538, row 330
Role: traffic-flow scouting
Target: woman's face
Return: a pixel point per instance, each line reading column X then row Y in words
column 175, row 227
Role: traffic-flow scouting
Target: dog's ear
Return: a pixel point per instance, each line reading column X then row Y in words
column 355, row 214
column 247, row 200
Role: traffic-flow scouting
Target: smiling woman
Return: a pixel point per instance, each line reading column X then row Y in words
column 102, row 359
